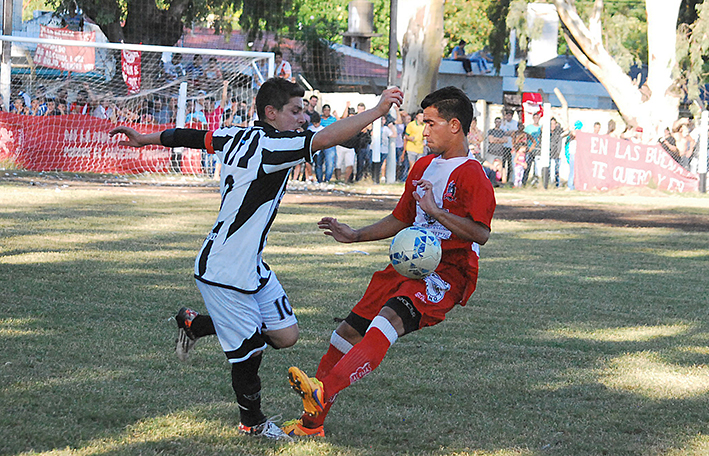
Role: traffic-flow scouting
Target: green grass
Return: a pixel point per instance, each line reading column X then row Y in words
column 582, row 338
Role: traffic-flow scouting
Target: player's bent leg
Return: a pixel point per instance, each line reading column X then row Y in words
column 191, row 325
column 397, row 315
column 310, row 388
column 279, row 326
column 353, row 328
column 282, row 338
column 313, row 425
column 409, row 316
column 185, row 337
column 247, row 386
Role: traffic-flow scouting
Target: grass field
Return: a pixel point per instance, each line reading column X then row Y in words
column 585, row 336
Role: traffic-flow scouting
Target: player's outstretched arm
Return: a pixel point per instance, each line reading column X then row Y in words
column 136, row 139
column 173, row 137
column 344, row 129
column 341, row 232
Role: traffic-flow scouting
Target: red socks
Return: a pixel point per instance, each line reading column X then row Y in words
column 344, row 364
column 338, row 348
column 362, row 359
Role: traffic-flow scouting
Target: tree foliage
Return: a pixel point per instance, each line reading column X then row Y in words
column 623, row 34
column 465, row 19
column 692, row 52
column 498, row 38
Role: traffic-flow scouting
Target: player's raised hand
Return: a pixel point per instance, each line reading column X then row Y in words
column 341, row 232
column 392, row 95
column 425, row 200
column 135, row 139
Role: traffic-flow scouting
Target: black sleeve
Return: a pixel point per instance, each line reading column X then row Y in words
column 183, row 137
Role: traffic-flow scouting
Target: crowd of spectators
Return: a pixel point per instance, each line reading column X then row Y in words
column 356, row 159
column 509, row 150
column 149, row 109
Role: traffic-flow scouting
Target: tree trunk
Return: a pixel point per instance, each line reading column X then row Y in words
column 653, row 106
column 421, row 49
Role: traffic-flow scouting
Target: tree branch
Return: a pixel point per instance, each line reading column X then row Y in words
column 594, row 24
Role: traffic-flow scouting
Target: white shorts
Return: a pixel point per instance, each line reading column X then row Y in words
column 345, row 157
column 240, row 318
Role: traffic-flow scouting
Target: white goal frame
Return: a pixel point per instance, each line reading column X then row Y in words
column 6, row 68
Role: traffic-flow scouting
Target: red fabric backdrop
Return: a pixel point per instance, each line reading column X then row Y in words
column 76, row 143
column 603, row 163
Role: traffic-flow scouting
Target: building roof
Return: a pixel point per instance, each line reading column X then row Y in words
column 562, row 67
column 358, row 70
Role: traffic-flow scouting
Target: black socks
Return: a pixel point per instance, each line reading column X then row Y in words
column 202, row 325
column 247, row 386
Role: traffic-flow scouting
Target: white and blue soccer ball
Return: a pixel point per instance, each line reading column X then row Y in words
column 415, row 252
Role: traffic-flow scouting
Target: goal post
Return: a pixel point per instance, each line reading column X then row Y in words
column 65, row 95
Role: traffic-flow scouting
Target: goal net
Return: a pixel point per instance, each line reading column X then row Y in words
column 62, row 93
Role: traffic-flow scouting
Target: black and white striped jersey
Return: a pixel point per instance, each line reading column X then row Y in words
column 256, row 162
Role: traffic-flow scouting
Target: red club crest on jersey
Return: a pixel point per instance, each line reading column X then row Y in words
column 449, row 195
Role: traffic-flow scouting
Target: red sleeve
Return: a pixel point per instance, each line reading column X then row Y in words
column 479, row 196
column 208, row 142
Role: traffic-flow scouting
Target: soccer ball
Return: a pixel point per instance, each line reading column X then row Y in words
column 415, row 252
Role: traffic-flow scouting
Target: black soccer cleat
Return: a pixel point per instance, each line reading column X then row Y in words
column 185, row 337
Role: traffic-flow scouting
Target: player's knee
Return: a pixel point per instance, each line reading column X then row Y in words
column 353, row 327
column 350, row 334
column 282, row 338
column 409, row 315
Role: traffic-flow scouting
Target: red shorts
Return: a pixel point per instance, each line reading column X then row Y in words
column 433, row 296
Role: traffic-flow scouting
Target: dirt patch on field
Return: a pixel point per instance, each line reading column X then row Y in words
column 625, row 216
column 514, row 207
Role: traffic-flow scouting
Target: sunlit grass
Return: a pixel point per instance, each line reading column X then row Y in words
column 581, row 339
column 648, row 375
column 632, row 334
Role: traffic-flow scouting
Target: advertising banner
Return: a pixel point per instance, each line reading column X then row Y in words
column 77, row 143
column 130, row 64
column 603, row 162
column 66, row 58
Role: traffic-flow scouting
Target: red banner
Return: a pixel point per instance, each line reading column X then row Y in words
column 603, row 162
column 66, row 58
column 130, row 63
column 76, row 143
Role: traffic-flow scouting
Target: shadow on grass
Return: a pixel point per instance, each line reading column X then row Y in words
column 580, row 340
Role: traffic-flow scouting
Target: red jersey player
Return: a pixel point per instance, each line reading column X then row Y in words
column 446, row 192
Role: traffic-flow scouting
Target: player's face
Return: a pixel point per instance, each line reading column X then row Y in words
column 437, row 131
column 291, row 117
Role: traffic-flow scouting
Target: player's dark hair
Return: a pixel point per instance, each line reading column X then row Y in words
column 451, row 102
column 276, row 92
